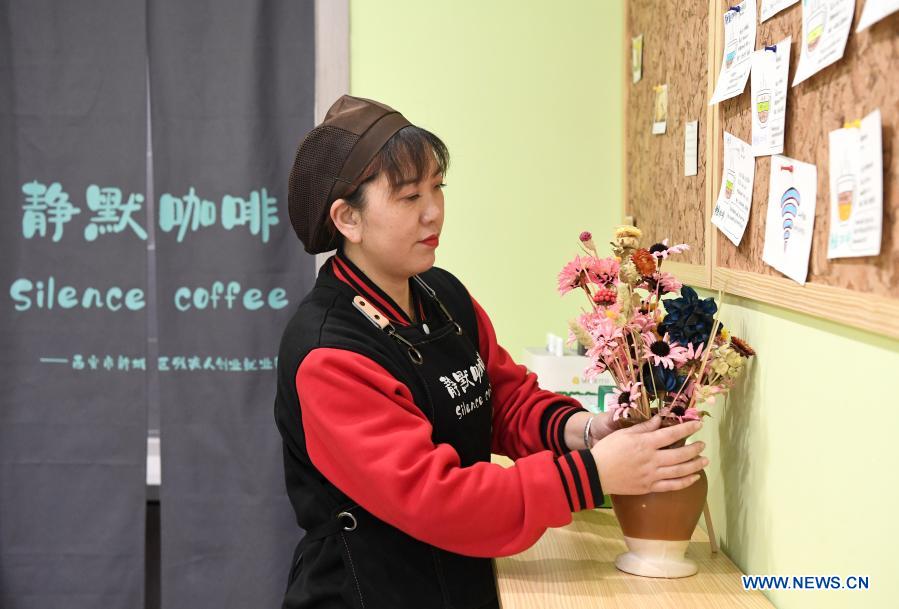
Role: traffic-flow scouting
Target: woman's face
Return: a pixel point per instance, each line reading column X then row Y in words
column 394, row 227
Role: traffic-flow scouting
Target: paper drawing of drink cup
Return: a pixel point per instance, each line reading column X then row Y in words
column 763, row 106
column 789, row 210
column 729, row 183
column 731, row 53
column 815, row 28
column 845, row 195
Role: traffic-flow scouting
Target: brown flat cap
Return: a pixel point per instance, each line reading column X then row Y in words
column 330, row 158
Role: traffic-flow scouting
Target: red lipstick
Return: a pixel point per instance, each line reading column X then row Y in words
column 431, row 240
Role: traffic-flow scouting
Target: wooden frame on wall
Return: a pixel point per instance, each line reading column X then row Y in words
column 846, row 304
column 332, row 64
column 646, row 182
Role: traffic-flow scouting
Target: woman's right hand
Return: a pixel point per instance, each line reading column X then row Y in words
column 632, row 461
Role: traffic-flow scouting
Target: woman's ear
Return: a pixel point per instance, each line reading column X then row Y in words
column 347, row 220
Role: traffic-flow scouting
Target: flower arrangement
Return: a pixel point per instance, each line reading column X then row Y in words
column 668, row 355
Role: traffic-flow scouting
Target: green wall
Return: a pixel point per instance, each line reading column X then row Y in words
column 803, row 458
column 528, row 97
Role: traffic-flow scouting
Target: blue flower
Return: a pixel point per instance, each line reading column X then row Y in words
column 661, row 380
column 689, row 319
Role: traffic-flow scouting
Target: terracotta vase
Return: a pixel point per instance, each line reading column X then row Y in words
column 657, row 528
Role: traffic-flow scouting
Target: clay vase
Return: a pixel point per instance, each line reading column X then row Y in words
column 657, row 528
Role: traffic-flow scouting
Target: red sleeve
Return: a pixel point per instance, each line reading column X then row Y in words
column 366, row 435
column 526, row 419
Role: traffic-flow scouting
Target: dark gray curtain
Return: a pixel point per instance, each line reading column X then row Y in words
column 73, row 330
column 231, row 90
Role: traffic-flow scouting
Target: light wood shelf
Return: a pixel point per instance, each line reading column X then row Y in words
column 573, row 567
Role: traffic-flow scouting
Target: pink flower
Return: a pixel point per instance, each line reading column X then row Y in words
column 626, row 400
column 692, row 353
column 627, row 394
column 590, row 321
column 607, row 338
column 662, row 250
column 662, row 352
column 667, row 282
column 606, row 271
column 597, row 367
column 643, row 323
column 577, row 274
column 682, row 414
column 586, row 236
column 604, row 345
column 625, row 412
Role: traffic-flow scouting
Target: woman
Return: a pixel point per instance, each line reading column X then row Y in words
column 393, row 392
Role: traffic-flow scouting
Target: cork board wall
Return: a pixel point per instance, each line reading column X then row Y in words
column 682, row 46
column 662, row 201
column 863, row 80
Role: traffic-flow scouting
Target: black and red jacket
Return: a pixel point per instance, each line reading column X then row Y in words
column 359, row 436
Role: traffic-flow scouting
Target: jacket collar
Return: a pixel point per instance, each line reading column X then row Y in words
column 343, row 269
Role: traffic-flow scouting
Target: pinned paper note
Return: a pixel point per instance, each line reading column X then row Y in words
column 637, row 58
column 739, row 41
column 874, row 11
column 691, row 148
column 770, row 67
column 825, row 29
column 790, row 221
column 731, row 211
column 856, row 189
column 660, row 110
column 772, row 7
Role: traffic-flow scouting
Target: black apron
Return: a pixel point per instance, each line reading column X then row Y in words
column 387, row 567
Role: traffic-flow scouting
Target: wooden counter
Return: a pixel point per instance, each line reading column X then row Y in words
column 573, row 567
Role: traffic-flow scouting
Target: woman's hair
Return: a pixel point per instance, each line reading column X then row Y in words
column 404, row 159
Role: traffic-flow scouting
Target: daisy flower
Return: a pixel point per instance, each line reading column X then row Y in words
column 626, row 398
column 597, row 368
column 666, row 282
column 682, row 414
column 576, row 274
column 583, row 270
column 627, row 395
column 605, row 270
column 663, row 250
column 590, row 321
column 606, row 339
column 643, row 323
column 692, row 353
column 645, row 262
column 662, row 352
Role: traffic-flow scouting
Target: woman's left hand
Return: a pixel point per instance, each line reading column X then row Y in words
column 601, row 426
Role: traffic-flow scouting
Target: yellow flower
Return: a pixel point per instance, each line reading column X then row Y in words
column 628, row 231
column 733, row 359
